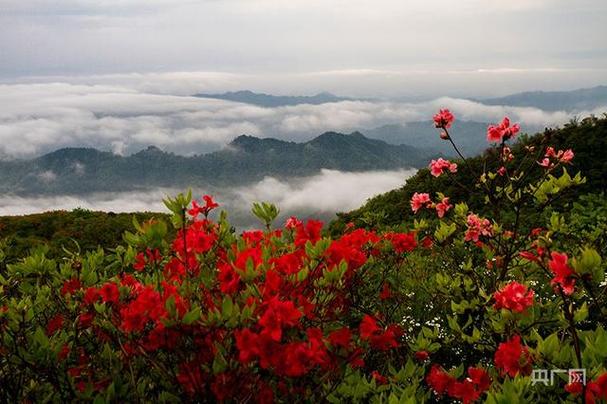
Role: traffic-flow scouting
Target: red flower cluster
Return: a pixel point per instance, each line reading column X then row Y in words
column 514, row 296
column 402, row 242
column 420, row 200
column 437, row 167
column 379, row 338
column 443, row 207
column 564, row 275
column 512, row 358
column 477, row 227
column 502, row 132
column 209, row 205
column 595, row 389
column 150, row 257
column 468, row 391
column 443, row 119
column 551, row 156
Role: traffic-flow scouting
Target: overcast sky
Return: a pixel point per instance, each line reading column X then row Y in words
column 389, row 48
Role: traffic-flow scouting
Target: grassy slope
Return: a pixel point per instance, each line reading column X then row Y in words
column 59, row 228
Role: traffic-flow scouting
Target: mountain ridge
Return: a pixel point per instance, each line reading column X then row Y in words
column 244, row 160
column 271, row 100
column 573, row 100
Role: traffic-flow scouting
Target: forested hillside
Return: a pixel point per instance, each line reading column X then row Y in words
column 587, row 137
column 246, row 159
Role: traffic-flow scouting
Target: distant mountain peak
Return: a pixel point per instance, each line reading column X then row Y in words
column 244, row 140
column 271, row 101
column 246, row 160
column 571, row 101
column 150, row 151
column 337, row 136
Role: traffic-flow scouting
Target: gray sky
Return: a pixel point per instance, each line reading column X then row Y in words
column 387, row 48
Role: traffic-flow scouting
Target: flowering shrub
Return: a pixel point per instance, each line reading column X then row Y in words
column 457, row 305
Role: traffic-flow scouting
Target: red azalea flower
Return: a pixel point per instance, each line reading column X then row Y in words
column 601, row 383
column 246, row 342
column 86, row 319
column 562, row 156
column 439, row 380
column 422, row 355
column 443, row 207
column 379, row 338
column 379, row 378
column 529, row 256
column 480, row 378
column 191, row 378
column 512, row 358
column 477, row 227
column 427, row 242
column 563, row 273
column 277, row 316
column 368, row 327
column 110, row 293
column 340, row 338
column 596, row 389
column 289, row 263
column 91, row 295
column 502, row 132
column 443, row 119
column 293, row 223
column 514, row 296
column 419, row 201
column 385, row 292
column 574, row 388
column 437, row 167
column 63, row 353
column 402, row 242
column 311, row 231
column 139, row 264
column 54, row 324
column 70, row 286
column 465, row 391
column 209, row 205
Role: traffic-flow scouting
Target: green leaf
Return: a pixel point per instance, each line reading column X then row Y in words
column 192, row 315
column 589, row 262
column 227, row 307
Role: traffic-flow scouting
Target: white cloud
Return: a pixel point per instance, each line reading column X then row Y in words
column 40, row 117
column 320, row 195
column 330, row 191
column 119, row 202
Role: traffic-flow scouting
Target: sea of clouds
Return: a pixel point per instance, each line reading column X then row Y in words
column 127, row 113
column 318, row 196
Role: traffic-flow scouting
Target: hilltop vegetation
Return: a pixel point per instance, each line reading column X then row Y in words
column 587, row 137
column 74, row 230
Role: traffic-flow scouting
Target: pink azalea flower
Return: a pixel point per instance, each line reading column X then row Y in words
column 418, row 201
column 437, row 167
